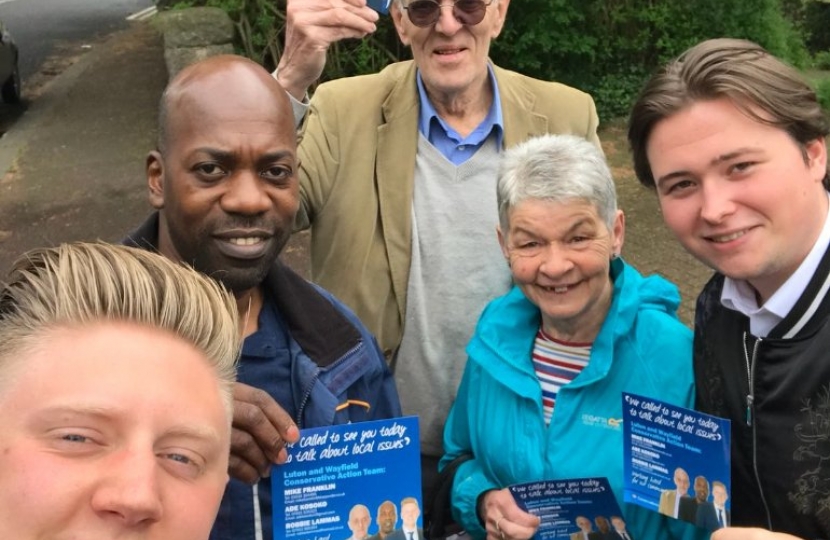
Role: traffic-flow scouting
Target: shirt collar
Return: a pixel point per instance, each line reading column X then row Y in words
column 429, row 120
column 738, row 295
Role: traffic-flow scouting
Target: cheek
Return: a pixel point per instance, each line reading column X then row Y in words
column 524, row 269
column 191, row 508
column 34, row 486
column 678, row 215
column 285, row 201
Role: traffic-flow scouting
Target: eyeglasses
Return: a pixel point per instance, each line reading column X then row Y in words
column 425, row 13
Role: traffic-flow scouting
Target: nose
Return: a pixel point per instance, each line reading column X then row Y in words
column 129, row 490
column 246, row 195
column 555, row 262
column 447, row 24
column 716, row 202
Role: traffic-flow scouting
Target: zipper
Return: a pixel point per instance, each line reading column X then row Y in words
column 750, row 376
column 313, row 381
column 750, row 408
column 306, row 395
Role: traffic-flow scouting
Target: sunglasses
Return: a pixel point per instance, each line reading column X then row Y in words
column 425, row 13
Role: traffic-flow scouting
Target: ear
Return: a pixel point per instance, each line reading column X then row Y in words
column 501, row 13
column 816, row 158
column 397, row 13
column 618, row 232
column 503, row 243
column 155, row 179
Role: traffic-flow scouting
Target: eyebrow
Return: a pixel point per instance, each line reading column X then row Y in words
column 579, row 223
column 192, row 431
column 98, row 411
column 716, row 161
column 226, row 155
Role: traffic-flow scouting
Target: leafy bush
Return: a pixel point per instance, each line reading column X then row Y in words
column 259, row 30
column 823, row 92
column 821, row 60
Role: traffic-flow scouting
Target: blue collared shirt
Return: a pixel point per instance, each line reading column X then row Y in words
column 449, row 142
column 265, row 363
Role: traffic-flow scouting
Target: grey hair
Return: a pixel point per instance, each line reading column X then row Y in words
column 77, row 284
column 555, row 168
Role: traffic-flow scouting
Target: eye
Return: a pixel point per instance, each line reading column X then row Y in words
column 75, row 441
column 528, row 245
column 278, row 173
column 182, row 463
column 740, row 168
column 209, row 170
column 74, row 437
column 179, row 458
column 679, row 187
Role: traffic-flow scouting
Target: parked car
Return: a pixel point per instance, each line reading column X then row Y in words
column 9, row 71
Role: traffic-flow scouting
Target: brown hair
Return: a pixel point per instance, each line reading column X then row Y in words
column 759, row 84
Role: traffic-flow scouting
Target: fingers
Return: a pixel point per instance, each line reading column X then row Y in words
column 260, row 430
column 515, row 530
column 311, row 27
column 330, row 20
column 503, row 518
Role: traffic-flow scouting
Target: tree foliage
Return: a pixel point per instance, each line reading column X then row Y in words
column 605, row 47
column 609, row 47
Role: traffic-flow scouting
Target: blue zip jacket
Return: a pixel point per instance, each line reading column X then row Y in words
column 316, row 359
column 497, row 417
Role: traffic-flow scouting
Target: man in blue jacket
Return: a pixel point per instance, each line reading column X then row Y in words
column 223, row 183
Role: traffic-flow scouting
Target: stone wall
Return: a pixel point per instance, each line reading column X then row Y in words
column 194, row 34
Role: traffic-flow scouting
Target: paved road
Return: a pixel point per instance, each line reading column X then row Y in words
column 77, row 156
column 39, row 25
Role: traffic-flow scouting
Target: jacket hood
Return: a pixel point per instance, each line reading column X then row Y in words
column 504, row 337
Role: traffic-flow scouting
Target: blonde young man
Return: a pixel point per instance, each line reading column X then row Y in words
column 116, row 370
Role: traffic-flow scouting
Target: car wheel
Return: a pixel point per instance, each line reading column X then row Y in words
column 11, row 88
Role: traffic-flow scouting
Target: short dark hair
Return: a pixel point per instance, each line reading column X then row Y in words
column 759, row 84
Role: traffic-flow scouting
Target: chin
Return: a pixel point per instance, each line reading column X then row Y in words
column 238, row 281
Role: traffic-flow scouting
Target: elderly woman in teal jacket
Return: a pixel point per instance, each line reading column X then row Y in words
column 540, row 398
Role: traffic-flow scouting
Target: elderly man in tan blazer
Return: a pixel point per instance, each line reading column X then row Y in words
column 670, row 499
column 398, row 180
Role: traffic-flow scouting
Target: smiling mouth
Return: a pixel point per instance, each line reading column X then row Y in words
column 724, row 238
column 243, row 247
column 560, row 289
column 246, row 241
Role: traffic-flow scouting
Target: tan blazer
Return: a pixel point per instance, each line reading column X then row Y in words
column 357, row 154
column 668, row 499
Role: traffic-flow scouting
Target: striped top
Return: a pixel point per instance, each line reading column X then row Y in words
column 556, row 364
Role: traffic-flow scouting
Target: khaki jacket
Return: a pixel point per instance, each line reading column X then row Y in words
column 357, row 154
